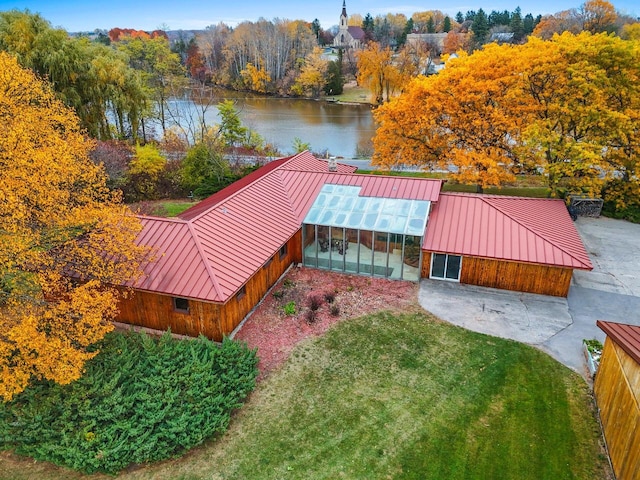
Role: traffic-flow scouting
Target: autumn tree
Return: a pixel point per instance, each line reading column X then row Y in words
column 454, row 42
column 90, row 77
column 598, row 16
column 593, row 16
column 274, row 48
column 161, row 69
column 454, row 118
column 65, row 239
column 313, row 75
column 586, row 105
column 376, row 71
column 211, row 44
column 569, row 107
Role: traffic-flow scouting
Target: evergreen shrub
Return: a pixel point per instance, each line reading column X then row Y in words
column 140, row 400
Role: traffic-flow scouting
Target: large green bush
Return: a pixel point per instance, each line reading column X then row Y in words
column 140, row 400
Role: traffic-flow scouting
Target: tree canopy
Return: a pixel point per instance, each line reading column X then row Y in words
column 65, row 238
column 569, row 107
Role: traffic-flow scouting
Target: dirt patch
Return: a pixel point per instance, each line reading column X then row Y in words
column 274, row 330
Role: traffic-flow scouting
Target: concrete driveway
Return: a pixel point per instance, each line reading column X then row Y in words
column 556, row 325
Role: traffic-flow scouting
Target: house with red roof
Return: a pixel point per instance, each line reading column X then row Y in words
column 215, row 262
column 617, row 391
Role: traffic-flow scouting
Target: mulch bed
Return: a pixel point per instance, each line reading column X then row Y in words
column 275, row 333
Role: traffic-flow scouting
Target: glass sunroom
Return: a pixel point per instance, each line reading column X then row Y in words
column 382, row 237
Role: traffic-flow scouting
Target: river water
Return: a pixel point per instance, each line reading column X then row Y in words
column 343, row 131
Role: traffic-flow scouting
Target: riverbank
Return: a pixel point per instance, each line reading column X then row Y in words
column 353, row 94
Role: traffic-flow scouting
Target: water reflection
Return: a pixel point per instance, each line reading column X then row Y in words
column 341, row 130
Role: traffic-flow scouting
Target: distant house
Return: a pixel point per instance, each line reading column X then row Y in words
column 217, row 260
column 348, row 36
column 501, row 37
column 617, row 392
column 434, row 41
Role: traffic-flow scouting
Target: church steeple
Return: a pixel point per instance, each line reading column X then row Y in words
column 344, row 8
column 343, row 15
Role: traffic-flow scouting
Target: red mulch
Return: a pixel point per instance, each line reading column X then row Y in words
column 275, row 334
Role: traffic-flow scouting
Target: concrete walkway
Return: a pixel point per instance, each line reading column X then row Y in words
column 555, row 325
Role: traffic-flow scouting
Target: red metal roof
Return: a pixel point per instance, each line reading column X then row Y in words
column 530, row 230
column 210, row 201
column 217, row 245
column 627, row 336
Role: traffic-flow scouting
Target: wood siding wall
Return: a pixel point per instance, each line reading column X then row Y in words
column 617, row 391
column 156, row 311
column 520, row 277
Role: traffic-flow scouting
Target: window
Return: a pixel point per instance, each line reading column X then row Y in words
column 283, row 251
column 181, row 305
column 445, row 267
column 241, row 293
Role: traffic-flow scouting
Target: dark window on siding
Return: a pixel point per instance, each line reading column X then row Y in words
column 283, row 251
column 446, row 267
column 181, row 305
column 241, row 293
column 268, row 262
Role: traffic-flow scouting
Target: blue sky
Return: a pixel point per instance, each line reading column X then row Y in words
column 87, row 15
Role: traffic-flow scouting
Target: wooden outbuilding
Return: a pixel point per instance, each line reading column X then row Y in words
column 511, row 243
column 617, row 392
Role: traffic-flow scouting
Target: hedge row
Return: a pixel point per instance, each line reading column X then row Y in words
column 140, row 400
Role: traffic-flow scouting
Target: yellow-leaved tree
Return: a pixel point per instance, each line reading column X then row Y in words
column 568, row 107
column 66, row 241
column 455, row 118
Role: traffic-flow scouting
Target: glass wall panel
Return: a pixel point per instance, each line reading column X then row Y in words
column 337, row 249
column 311, row 245
column 411, row 258
column 366, row 252
column 351, row 250
column 381, row 255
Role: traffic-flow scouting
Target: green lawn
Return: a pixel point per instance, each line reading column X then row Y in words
column 403, row 397
column 162, row 208
column 174, row 209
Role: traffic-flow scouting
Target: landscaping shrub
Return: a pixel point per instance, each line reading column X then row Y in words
column 334, row 310
column 314, row 302
column 310, row 316
column 290, row 308
column 329, row 297
column 140, row 400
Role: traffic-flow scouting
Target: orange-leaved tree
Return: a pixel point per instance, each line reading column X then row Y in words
column 569, row 107
column 65, row 239
column 456, row 118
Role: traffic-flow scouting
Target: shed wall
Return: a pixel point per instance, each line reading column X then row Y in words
column 153, row 310
column 517, row 276
column 617, row 391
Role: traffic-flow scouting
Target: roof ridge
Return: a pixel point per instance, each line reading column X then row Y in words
column 287, row 194
column 162, row 219
column 235, row 193
column 526, row 227
column 207, row 266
